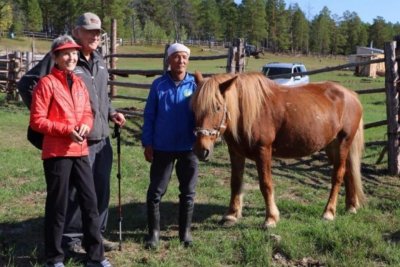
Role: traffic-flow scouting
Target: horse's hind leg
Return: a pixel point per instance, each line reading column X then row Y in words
column 352, row 202
column 337, row 154
column 354, row 192
column 352, row 175
column 235, row 206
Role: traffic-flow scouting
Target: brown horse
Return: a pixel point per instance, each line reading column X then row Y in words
column 260, row 119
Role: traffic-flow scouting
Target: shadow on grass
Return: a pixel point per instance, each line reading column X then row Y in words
column 21, row 243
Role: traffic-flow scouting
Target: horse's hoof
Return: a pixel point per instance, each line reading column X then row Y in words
column 328, row 216
column 352, row 210
column 228, row 221
column 269, row 224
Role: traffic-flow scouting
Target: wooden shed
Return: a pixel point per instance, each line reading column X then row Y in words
column 367, row 54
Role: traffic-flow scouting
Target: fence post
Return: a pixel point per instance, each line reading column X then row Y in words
column 165, row 59
column 392, row 104
column 113, row 48
column 29, row 61
column 230, row 64
column 236, row 57
column 240, row 55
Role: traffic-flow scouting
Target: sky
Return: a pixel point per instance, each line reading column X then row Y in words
column 367, row 10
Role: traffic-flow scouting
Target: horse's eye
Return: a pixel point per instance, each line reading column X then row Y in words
column 218, row 108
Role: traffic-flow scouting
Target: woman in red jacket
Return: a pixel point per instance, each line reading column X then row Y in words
column 61, row 111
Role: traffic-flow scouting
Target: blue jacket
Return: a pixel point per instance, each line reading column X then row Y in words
column 168, row 119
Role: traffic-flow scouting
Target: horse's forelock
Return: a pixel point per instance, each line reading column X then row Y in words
column 206, row 98
column 244, row 99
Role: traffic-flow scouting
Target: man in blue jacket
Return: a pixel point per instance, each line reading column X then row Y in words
column 167, row 139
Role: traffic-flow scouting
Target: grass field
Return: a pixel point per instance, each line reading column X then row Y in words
column 369, row 238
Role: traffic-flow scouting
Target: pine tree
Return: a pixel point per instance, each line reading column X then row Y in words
column 229, row 19
column 352, row 27
column 380, row 32
column 278, row 25
column 322, row 27
column 254, row 20
column 209, row 20
column 299, row 30
column 33, row 15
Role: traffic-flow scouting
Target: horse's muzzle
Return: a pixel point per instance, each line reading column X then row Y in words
column 202, row 154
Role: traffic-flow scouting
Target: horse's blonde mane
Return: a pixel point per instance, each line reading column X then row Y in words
column 244, row 100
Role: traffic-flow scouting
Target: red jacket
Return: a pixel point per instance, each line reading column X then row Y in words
column 56, row 111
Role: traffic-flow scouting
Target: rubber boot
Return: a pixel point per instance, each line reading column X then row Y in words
column 153, row 220
column 185, row 222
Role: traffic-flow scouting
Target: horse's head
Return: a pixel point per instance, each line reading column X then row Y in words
column 211, row 114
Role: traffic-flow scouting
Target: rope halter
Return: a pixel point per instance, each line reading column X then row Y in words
column 213, row 132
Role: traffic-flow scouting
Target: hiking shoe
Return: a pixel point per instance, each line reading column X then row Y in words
column 109, row 245
column 75, row 251
column 76, row 248
column 104, row 263
column 58, row 264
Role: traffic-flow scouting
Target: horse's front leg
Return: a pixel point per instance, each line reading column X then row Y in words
column 235, row 206
column 264, row 168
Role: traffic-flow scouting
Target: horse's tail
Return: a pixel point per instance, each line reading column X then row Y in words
column 354, row 163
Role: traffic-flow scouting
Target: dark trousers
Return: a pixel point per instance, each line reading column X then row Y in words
column 100, row 157
column 60, row 173
column 160, row 175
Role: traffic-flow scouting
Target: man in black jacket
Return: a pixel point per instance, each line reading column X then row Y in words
column 93, row 71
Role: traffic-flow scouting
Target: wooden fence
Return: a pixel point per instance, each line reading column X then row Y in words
column 13, row 66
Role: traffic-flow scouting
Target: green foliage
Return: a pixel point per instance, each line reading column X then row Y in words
column 33, row 15
column 353, row 30
column 321, row 30
column 299, row 30
column 6, row 16
column 254, row 26
column 379, row 32
column 209, row 20
column 229, row 18
column 153, row 32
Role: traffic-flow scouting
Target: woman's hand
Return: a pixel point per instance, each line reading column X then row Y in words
column 79, row 133
column 83, row 130
column 76, row 137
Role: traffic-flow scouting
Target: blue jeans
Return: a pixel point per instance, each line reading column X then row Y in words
column 100, row 158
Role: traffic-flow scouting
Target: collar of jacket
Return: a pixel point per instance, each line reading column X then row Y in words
column 62, row 74
column 94, row 56
column 187, row 78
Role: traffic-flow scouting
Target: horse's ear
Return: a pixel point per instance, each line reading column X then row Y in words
column 198, row 77
column 225, row 85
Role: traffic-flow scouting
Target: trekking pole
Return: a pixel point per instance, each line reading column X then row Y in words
column 117, row 134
